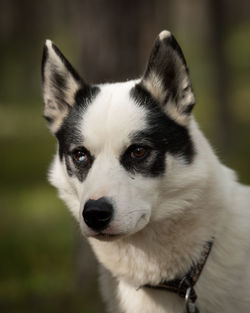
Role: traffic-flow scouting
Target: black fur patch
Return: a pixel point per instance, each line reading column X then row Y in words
column 152, row 165
column 79, row 170
column 163, row 135
column 44, row 59
column 86, row 94
column 69, row 133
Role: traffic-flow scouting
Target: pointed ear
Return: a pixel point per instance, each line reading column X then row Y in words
column 167, row 78
column 61, row 84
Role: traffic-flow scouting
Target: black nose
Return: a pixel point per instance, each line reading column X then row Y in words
column 97, row 214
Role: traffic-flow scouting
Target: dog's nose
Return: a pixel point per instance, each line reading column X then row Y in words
column 97, row 214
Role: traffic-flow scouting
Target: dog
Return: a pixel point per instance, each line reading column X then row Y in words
column 169, row 224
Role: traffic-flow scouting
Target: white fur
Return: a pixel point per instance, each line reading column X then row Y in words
column 164, row 34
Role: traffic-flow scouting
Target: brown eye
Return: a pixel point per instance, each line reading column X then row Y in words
column 138, row 153
column 80, row 157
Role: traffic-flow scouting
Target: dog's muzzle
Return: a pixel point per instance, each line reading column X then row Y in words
column 97, row 214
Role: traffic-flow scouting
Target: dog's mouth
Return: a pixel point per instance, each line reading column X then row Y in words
column 107, row 237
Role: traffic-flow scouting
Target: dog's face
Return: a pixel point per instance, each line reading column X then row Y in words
column 119, row 142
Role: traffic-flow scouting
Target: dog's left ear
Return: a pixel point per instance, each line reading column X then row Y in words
column 167, row 78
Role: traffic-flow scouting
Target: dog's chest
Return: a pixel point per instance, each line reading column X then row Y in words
column 135, row 266
column 147, row 300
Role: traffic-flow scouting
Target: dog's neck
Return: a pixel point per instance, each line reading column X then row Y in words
column 184, row 286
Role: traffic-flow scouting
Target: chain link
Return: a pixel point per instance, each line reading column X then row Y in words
column 190, row 306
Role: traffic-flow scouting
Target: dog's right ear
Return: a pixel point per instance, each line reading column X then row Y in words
column 61, row 85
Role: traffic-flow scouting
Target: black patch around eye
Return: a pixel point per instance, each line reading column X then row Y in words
column 77, row 169
column 80, row 170
column 152, row 165
column 133, row 164
column 68, row 165
column 73, row 170
column 82, row 151
column 162, row 133
column 69, row 133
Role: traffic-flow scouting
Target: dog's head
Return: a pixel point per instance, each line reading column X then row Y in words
column 121, row 147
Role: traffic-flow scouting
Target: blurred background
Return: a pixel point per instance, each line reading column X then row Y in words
column 44, row 264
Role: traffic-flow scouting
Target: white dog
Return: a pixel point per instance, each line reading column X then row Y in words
column 169, row 224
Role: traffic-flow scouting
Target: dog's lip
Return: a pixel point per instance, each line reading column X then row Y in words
column 107, row 236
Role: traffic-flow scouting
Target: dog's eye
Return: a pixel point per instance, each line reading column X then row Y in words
column 138, row 153
column 80, row 157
